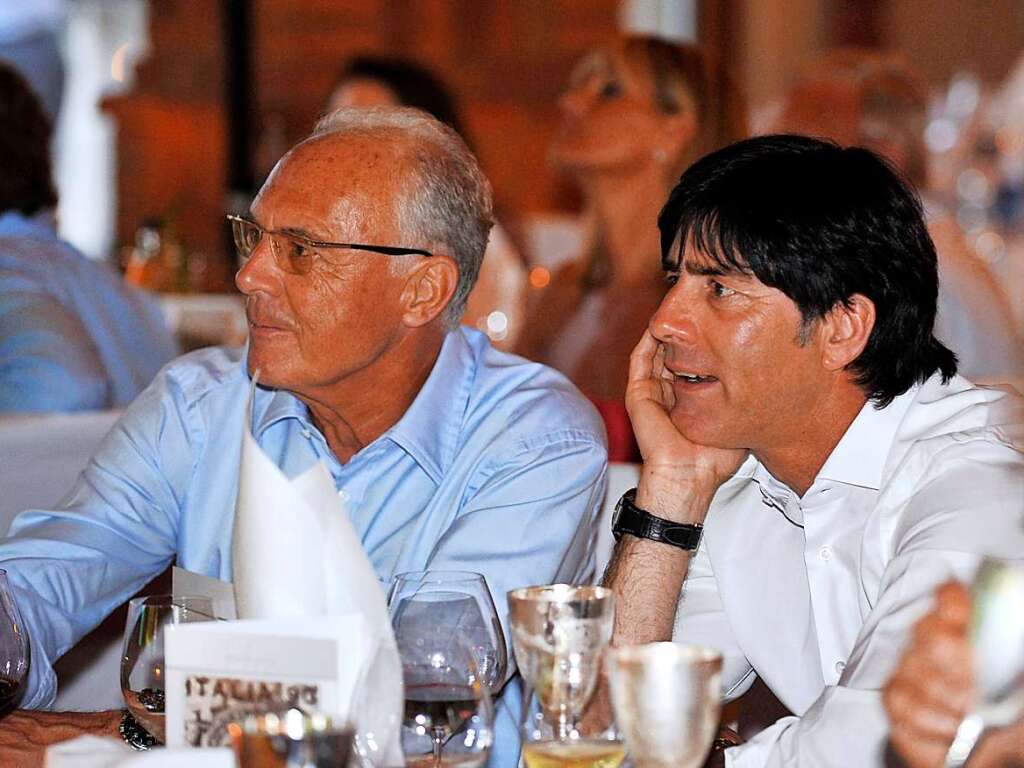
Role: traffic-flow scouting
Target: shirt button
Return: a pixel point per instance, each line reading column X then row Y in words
column 343, row 495
column 825, row 553
column 840, row 666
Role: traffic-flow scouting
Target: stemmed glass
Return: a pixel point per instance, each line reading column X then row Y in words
column 667, row 699
column 997, row 633
column 559, row 633
column 14, row 649
column 452, row 603
column 142, row 660
column 453, row 655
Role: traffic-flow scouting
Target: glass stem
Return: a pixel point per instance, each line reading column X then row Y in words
column 438, row 734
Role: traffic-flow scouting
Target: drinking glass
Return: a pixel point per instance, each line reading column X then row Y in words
column 14, row 649
column 667, row 699
column 142, row 660
column 450, row 603
column 448, row 716
column 559, row 633
column 290, row 739
column 591, row 740
column 997, row 633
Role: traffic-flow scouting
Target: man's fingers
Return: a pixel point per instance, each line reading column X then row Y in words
column 642, row 359
column 953, row 605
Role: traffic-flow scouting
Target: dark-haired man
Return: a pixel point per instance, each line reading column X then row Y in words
column 73, row 336
column 790, row 396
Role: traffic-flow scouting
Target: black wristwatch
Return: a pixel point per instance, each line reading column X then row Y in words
column 629, row 518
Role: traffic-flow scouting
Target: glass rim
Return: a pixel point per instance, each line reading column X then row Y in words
column 166, row 600
column 665, row 652
column 551, row 593
column 423, row 576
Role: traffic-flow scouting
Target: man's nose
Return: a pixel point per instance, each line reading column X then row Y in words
column 258, row 271
column 674, row 319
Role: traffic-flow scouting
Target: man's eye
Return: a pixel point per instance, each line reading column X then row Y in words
column 611, row 90
column 300, row 254
column 671, row 278
column 720, row 291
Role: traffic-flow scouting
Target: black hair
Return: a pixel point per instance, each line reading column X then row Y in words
column 26, row 182
column 413, row 84
column 820, row 223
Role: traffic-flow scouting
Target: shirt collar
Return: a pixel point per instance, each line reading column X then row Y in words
column 860, row 456
column 429, row 429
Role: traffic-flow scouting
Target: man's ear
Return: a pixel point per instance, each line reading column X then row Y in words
column 844, row 331
column 429, row 288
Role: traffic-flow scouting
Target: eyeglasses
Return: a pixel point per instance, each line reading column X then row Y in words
column 295, row 253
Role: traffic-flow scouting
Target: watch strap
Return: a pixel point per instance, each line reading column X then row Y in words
column 629, row 518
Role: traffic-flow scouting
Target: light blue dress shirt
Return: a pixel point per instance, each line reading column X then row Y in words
column 73, row 336
column 498, row 466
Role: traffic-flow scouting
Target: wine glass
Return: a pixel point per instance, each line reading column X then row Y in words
column 454, row 603
column 448, row 717
column 559, row 633
column 667, row 699
column 142, row 660
column 591, row 740
column 15, row 650
column 997, row 633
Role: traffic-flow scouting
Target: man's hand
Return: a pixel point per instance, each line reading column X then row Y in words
column 25, row 734
column 931, row 690
column 674, row 467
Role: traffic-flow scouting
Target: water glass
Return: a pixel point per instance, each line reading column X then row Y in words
column 667, row 700
column 290, row 739
column 142, row 658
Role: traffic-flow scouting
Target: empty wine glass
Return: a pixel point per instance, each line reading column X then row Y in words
column 451, row 603
column 142, row 660
column 667, row 699
column 14, row 649
column 997, row 633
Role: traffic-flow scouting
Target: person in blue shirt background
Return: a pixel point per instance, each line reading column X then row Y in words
column 358, row 256
column 73, row 336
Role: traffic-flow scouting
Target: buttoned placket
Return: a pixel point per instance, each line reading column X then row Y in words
column 831, row 515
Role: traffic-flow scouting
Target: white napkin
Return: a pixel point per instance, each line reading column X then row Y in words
column 296, row 554
column 86, row 752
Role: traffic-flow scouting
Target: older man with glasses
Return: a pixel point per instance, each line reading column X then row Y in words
column 357, row 259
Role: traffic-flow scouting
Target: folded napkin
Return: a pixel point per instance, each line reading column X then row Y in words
column 295, row 554
column 87, row 752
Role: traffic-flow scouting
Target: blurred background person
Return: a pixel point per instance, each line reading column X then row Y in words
column 30, row 41
column 876, row 101
column 72, row 335
column 497, row 304
column 932, row 689
column 633, row 116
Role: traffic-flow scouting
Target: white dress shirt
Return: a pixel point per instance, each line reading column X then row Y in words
column 816, row 594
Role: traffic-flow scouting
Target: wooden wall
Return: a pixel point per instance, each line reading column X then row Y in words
column 507, row 61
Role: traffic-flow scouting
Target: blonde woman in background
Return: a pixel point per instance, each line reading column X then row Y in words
column 633, row 116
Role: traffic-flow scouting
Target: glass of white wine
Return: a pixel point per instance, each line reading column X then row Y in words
column 590, row 741
column 142, row 658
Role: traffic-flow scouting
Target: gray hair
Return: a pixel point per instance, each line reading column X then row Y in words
column 449, row 199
